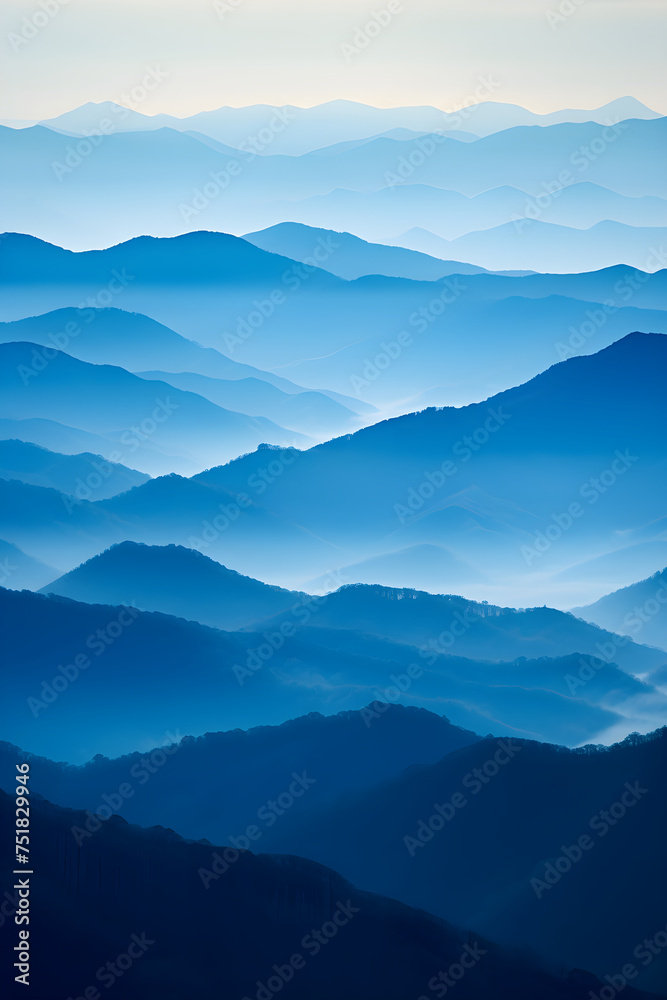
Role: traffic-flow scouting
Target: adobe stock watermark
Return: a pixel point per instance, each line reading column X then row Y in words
column 225, row 7
column 112, row 802
column 401, row 683
column 77, row 153
column 257, row 483
column 633, row 623
column 556, row 16
column 85, row 488
column 646, row 952
column 267, row 815
column 441, row 645
column 7, row 570
column 420, row 320
column 97, row 643
column 601, row 824
column 426, row 146
column 581, row 158
column 218, row 181
column 474, row 782
column 463, row 450
column 132, row 438
column 291, row 281
column 312, row 943
column 299, row 615
column 484, row 91
column 626, row 288
column 42, row 356
column 591, row 491
column 366, row 33
column 445, row 980
column 386, row 697
column 33, row 24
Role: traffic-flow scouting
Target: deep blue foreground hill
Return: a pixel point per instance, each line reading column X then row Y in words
column 142, row 904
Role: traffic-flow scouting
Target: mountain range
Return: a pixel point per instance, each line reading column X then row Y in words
column 458, row 340
column 334, row 754
column 81, row 476
column 138, row 417
column 336, row 121
column 544, row 246
column 637, row 610
column 135, row 342
column 490, row 485
column 282, row 920
column 330, row 458
column 378, row 215
column 165, row 181
column 76, row 661
column 420, row 794
column 526, row 807
column 183, row 582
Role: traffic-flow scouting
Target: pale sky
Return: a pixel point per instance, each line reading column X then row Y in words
column 239, row 52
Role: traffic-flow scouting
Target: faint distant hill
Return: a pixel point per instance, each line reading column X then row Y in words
column 639, row 610
column 338, row 121
column 82, row 475
column 429, row 211
column 444, row 624
column 520, row 155
column 472, row 337
column 350, row 257
column 368, row 494
column 135, row 342
column 19, row 571
column 143, row 418
column 562, row 430
column 545, row 246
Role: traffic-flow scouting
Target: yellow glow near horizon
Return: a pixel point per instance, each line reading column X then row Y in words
column 307, row 52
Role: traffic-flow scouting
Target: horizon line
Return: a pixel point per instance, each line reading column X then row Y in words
column 341, row 100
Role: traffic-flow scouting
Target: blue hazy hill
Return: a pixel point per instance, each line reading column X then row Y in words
column 265, row 908
column 205, row 256
column 54, row 437
column 125, row 166
column 201, row 680
column 337, row 121
column 19, row 571
column 515, row 822
column 54, row 527
column 140, row 416
column 315, row 414
column 457, row 337
column 175, row 508
column 354, row 257
column 175, row 581
column 546, row 246
column 338, row 754
column 359, row 496
column 445, row 623
column 135, row 342
column 560, row 431
column 477, row 349
column 380, row 215
column 183, row 582
column 80, row 475
column 637, row 610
